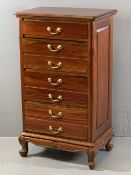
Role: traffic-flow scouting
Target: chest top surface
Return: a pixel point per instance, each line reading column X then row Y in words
column 65, row 12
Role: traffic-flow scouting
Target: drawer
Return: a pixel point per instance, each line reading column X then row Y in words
column 54, row 48
column 58, row 113
column 60, row 97
column 54, row 30
column 55, row 81
column 62, row 64
column 58, row 129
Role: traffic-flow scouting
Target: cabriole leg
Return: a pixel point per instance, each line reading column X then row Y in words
column 109, row 146
column 24, row 143
column 91, row 156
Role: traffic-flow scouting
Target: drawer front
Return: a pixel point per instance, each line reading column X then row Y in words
column 54, row 48
column 60, row 97
column 58, row 129
column 54, row 29
column 61, row 64
column 57, row 113
column 55, row 81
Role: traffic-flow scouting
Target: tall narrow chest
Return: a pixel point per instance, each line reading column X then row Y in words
column 66, row 78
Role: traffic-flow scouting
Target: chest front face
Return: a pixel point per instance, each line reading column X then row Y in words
column 55, row 76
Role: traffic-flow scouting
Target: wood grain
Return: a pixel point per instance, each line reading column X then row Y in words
column 65, row 12
column 101, row 66
column 68, row 130
column 39, row 47
column 68, row 31
column 39, row 110
column 103, row 52
column 69, row 98
column 40, row 62
column 40, row 79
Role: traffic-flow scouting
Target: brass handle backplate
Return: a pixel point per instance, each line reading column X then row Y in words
column 58, row 65
column 50, row 47
column 58, row 82
column 59, row 98
column 58, row 116
column 52, row 32
column 55, row 132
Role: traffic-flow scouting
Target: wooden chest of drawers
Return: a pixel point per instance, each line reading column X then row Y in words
column 66, row 75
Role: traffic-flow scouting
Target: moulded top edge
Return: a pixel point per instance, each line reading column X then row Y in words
column 64, row 12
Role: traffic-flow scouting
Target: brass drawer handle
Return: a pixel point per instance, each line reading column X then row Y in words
column 55, row 132
column 58, row 66
column 59, row 114
column 59, row 81
column 59, row 48
column 59, row 98
column 57, row 32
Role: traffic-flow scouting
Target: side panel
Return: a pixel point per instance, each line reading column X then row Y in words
column 101, row 77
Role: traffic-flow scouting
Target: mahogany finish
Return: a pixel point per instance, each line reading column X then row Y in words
column 84, row 14
column 69, row 114
column 68, row 82
column 69, row 30
column 68, row 130
column 66, row 75
column 40, row 62
column 69, row 98
column 69, row 49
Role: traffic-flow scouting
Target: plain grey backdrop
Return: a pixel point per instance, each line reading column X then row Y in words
column 10, row 97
